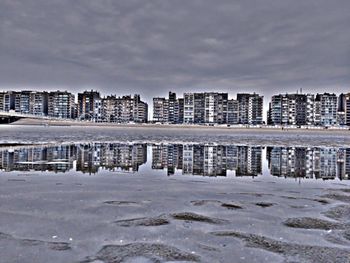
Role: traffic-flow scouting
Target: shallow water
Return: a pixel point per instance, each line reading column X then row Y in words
column 210, row 159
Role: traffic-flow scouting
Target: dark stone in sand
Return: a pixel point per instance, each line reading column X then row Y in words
column 231, row 206
column 321, row 201
column 143, row 221
column 189, row 216
column 292, row 252
column 312, row 223
column 264, row 205
column 340, row 213
column 154, row 252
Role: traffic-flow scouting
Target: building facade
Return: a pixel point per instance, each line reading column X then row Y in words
column 250, row 108
column 347, row 109
column 124, row 109
column 326, row 109
column 61, row 105
column 90, row 105
column 232, row 112
column 291, row 109
column 160, row 110
column 188, row 108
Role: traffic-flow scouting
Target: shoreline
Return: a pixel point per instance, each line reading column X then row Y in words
column 55, row 123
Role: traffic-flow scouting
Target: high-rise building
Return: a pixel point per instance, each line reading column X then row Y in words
column 189, row 108
column 347, row 109
column 124, row 109
column 25, row 102
column 326, row 109
column 140, row 110
column 38, row 104
column 310, row 108
column 215, row 107
column 61, row 104
column 341, row 109
column 7, row 101
column 169, row 110
column 22, row 101
column 291, row 109
column 89, row 105
column 2, row 101
column 108, row 108
column 232, row 112
column 172, row 108
column 250, row 108
column 160, row 110
column 208, row 107
column 180, row 109
column 199, row 108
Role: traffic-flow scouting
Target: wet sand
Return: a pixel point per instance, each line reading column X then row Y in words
column 28, row 121
column 32, row 134
column 152, row 218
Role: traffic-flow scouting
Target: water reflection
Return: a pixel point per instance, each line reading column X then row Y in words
column 325, row 163
column 208, row 160
column 187, row 159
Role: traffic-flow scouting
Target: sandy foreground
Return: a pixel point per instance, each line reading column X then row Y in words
column 150, row 218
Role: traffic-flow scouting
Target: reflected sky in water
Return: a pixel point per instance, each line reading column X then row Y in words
column 186, row 159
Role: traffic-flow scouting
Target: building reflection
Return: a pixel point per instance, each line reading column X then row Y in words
column 55, row 159
column 207, row 160
column 88, row 158
column 187, row 159
column 306, row 162
column 111, row 157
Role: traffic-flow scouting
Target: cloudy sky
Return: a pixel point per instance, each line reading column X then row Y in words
column 151, row 47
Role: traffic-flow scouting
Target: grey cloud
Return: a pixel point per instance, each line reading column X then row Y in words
column 151, row 47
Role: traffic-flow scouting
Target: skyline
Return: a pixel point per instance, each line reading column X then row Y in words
column 266, row 100
column 298, row 109
column 154, row 47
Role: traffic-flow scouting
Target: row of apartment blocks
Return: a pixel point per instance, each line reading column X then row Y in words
column 210, row 108
column 308, row 109
column 284, row 109
column 90, row 105
column 194, row 108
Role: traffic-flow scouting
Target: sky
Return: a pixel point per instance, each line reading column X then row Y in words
column 152, row 47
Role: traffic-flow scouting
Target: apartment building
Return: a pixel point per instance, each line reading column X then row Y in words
column 90, row 105
column 326, row 109
column 61, row 105
column 250, row 108
column 124, row 109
